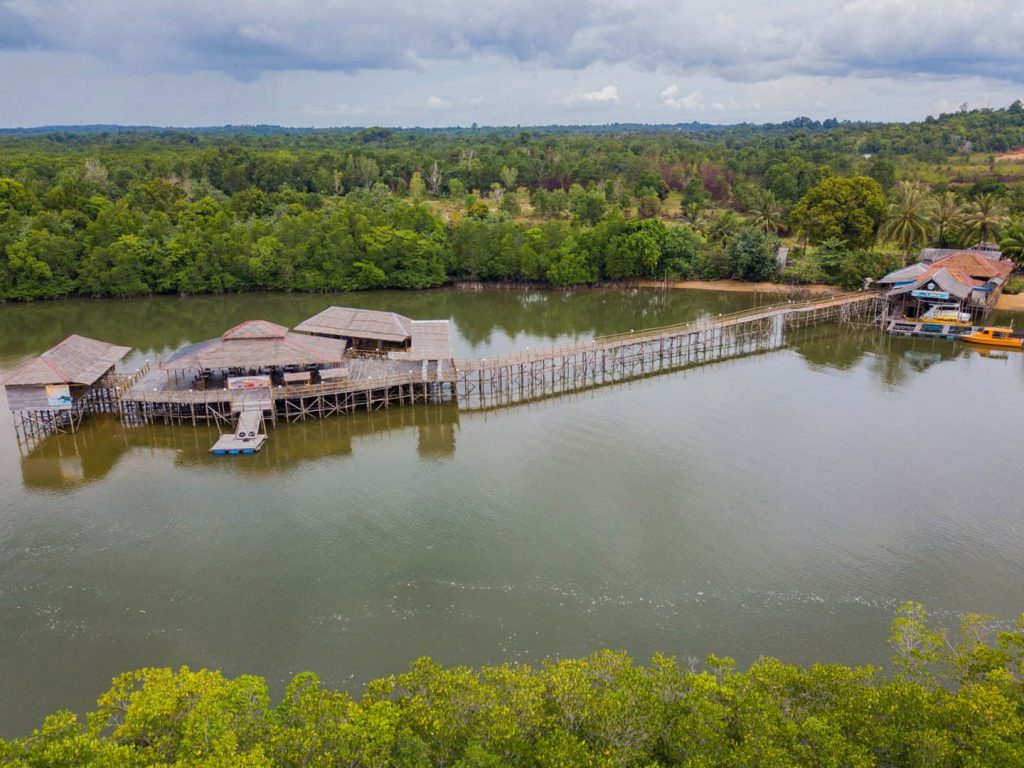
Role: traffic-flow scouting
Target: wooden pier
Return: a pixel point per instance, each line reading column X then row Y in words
column 291, row 403
column 531, row 375
column 148, row 396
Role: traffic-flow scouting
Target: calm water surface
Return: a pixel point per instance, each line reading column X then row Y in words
column 784, row 504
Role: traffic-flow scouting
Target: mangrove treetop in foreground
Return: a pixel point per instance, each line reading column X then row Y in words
column 951, row 704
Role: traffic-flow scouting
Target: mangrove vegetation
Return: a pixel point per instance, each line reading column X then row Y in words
column 122, row 212
column 949, row 702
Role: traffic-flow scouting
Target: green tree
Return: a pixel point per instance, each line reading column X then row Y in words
column 570, row 266
column 270, row 269
column 883, row 172
column 767, row 213
column 680, row 250
column 752, row 256
column 587, row 206
column 947, row 212
column 909, row 219
column 723, row 227
column 417, row 187
column 847, row 208
column 985, row 218
column 1012, row 243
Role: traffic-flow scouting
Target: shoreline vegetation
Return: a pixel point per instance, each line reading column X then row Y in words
column 135, row 212
column 949, row 702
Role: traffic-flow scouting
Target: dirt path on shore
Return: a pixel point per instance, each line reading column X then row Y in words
column 738, row 286
column 1009, row 303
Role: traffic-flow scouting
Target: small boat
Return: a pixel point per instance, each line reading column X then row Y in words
column 943, row 314
column 996, row 336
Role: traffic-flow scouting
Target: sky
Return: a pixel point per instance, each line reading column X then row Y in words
column 329, row 63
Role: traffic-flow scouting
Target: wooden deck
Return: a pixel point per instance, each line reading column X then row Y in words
column 489, row 382
column 144, row 403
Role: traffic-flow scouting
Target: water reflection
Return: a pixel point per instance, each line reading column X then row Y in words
column 65, row 461
column 160, row 324
column 782, row 504
column 892, row 360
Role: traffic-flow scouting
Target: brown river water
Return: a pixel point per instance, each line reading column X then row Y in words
column 783, row 504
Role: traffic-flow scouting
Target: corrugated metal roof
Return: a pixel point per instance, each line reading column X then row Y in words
column 358, row 324
column 955, row 285
column 903, row 275
column 957, row 274
column 76, row 360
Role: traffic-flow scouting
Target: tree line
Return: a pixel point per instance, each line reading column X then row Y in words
column 950, row 703
column 125, row 213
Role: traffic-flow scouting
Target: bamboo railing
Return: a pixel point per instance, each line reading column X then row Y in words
column 632, row 337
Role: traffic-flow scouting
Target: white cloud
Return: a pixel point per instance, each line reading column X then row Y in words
column 670, row 98
column 610, row 93
column 333, row 62
column 739, row 40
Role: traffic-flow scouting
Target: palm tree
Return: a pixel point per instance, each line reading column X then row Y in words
column 723, row 226
column 1012, row 244
column 948, row 211
column 692, row 213
column 986, row 218
column 909, row 219
column 768, row 213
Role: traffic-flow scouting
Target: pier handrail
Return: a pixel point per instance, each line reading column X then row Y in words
column 613, row 340
column 202, row 396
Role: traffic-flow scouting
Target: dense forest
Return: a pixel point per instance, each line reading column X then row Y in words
column 105, row 211
column 948, row 704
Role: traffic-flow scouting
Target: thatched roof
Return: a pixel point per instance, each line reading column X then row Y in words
column 258, row 344
column 358, row 324
column 76, row 360
column 255, row 329
column 431, row 340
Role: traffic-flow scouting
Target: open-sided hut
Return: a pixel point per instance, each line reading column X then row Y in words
column 53, row 391
column 256, row 347
column 365, row 330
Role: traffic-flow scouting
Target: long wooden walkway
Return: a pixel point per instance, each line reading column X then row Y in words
column 521, row 377
column 535, row 374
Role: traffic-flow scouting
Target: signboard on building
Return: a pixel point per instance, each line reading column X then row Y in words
column 58, row 396
column 938, row 295
column 248, row 382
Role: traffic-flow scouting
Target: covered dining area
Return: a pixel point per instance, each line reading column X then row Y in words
column 254, row 355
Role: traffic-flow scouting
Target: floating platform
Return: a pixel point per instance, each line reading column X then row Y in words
column 232, row 445
column 248, row 437
column 934, row 330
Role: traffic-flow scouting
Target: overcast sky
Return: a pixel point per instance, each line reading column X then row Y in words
column 502, row 62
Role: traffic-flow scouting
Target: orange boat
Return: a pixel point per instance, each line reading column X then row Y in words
column 995, row 336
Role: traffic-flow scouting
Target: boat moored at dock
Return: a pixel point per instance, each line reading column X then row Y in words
column 996, row 336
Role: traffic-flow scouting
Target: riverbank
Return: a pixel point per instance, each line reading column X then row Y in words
column 739, row 286
column 1008, row 303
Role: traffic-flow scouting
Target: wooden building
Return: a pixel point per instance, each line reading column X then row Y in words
column 365, row 330
column 255, row 348
column 384, row 334
column 53, row 392
column 971, row 281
